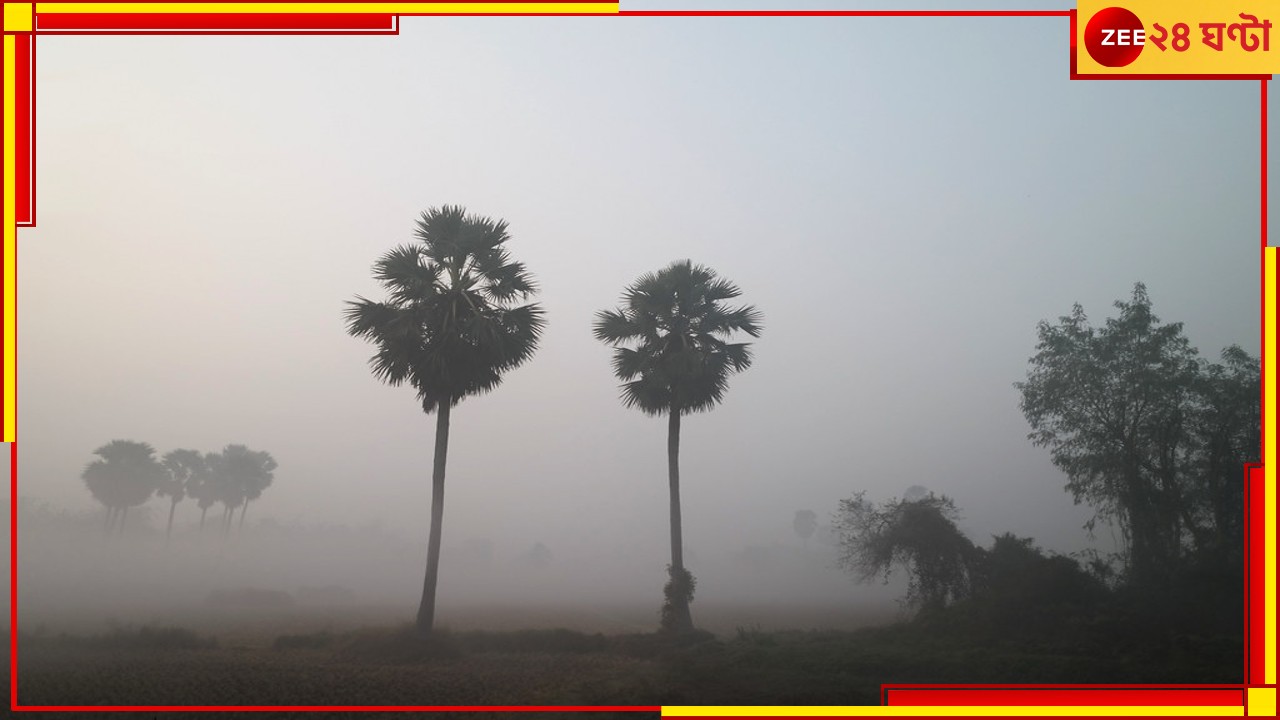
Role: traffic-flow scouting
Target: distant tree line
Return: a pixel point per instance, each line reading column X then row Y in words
column 128, row 473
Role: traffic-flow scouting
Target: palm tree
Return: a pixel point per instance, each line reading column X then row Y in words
column 250, row 472
column 205, row 488
column 125, row 475
column 671, row 352
column 450, row 327
column 224, row 487
column 185, row 470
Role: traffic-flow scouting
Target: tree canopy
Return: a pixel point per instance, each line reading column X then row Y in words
column 919, row 536
column 670, row 339
column 125, row 475
column 1148, row 434
column 451, row 324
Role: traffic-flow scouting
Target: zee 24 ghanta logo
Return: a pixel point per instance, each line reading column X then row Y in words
column 1115, row 37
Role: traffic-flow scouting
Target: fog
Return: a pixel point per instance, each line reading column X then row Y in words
column 901, row 201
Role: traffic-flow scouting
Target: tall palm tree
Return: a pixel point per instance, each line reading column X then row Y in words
column 671, row 350
column 125, row 475
column 184, row 468
column 450, row 328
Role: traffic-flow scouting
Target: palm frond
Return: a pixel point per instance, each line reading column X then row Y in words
column 615, row 326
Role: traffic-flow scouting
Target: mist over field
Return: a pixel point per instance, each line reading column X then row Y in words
column 287, row 577
column 898, row 204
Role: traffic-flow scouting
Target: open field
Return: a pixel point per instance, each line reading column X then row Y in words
column 331, row 663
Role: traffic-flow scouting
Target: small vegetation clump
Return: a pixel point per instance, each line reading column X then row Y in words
column 311, row 641
column 144, row 638
column 677, row 594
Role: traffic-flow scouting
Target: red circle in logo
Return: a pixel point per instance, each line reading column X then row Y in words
column 1110, row 39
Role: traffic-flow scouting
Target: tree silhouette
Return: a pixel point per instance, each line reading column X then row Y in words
column 671, row 352
column 918, row 535
column 224, row 488
column 1226, row 432
column 450, row 328
column 805, row 522
column 125, row 475
column 250, row 472
column 238, row 476
column 185, row 469
column 1117, row 406
column 204, row 488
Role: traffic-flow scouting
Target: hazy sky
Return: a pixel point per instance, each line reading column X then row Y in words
column 903, row 199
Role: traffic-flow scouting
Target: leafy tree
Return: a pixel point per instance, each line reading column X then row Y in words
column 919, row 536
column 1147, row 434
column 1017, row 575
column 184, row 468
column 450, row 328
column 671, row 350
column 1226, row 430
column 804, row 523
column 125, row 475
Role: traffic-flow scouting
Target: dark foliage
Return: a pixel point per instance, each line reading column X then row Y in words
column 678, row 591
column 919, row 536
column 1148, row 434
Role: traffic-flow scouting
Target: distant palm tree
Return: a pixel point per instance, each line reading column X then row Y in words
column 450, row 328
column 205, row 488
column 678, row 362
column 251, row 471
column 125, row 475
column 185, row 469
column 224, row 487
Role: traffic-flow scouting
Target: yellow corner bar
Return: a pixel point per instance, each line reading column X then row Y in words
column 10, row 235
column 17, row 17
column 389, row 8
column 1269, row 257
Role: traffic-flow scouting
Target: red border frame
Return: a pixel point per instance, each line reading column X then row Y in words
column 382, row 24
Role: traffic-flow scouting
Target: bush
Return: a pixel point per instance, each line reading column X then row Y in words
column 680, row 586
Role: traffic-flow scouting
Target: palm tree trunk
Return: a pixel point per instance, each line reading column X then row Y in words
column 203, row 512
column 243, row 508
column 106, row 527
column 124, row 514
column 168, row 531
column 427, row 609
column 680, row 604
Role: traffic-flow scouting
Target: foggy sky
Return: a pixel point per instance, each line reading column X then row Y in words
column 903, row 199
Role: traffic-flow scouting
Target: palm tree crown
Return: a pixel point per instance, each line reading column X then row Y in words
column 679, row 328
column 126, row 474
column 450, row 326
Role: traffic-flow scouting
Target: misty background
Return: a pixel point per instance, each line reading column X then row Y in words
column 903, row 198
